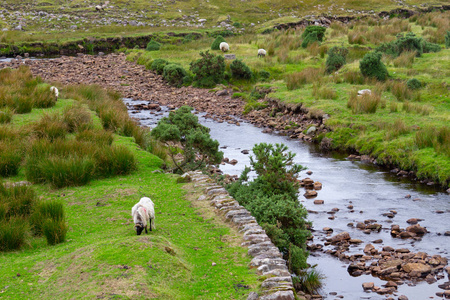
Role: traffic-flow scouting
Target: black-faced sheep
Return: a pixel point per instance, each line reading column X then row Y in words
column 261, row 52
column 99, row 8
column 143, row 213
column 224, row 47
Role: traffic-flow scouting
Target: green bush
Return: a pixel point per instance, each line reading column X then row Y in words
column 13, row 234
column 272, row 200
column 116, row 160
column 313, row 34
column 371, row 66
column 208, row 70
column 215, row 45
column 409, row 42
column 336, row 59
column 11, row 154
column 54, row 231
column 158, row 65
column 240, row 70
column 6, row 115
column 263, row 75
column 414, row 84
column 447, row 40
column 153, row 46
column 174, row 74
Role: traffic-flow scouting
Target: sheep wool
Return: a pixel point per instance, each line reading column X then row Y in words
column 55, row 91
column 143, row 214
column 224, row 47
column 261, row 52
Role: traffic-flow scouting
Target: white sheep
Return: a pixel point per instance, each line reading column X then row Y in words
column 99, row 8
column 261, row 52
column 143, row 213
column 224, row 47
column 55, row 91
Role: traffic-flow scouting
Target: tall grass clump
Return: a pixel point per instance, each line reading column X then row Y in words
column 6, row 115
column 353, row 77
column 116, row 160
column 18, row 200
column 366, row 103
column 417, row 108
column 323, row 92
column 100, row 137
column 50, row 127
column 11, row 154
column 13, row 234
column 400, row 90
column 76, row 117
column 43, row 97
column 308, row 281
column 48, row 218
column 438, row 138
column 298, row 79
column 406, row 59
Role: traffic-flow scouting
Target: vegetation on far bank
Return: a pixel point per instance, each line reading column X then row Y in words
column 191, row 254
column 403, row 122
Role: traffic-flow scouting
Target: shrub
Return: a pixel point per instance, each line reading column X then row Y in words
column 54, row 231
column 6, row 115
column 113, row 161
column 216, row 43
column 153, row 46
column 447, row 40
column 414, row 84
column 430, row 47
column 409, row 42
column 11, row 154
column 263, row 75
column 158, row 65
column 240, row 70
column 366, row 103
column 208, row 70
column 336, row 59
column 174, row 74
column 12, row 234
column 182, row 130
column 371, row 66
column 318, row 31
column 310, row 39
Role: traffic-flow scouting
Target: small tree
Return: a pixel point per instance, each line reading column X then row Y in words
column 208, row 70
column 215, row 45
column 371, row 66
column 182, row 134
column 313, row 34
column 240, row 70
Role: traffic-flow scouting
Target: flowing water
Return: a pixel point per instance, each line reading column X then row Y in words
column 371, row 190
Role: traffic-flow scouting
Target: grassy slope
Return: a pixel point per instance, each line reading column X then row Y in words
column 262, row 13
column 103, row 257
column 373, row 134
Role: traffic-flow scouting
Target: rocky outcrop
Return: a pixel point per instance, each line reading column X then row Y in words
column 267, row 259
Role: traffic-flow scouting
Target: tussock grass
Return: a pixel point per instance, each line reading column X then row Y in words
column 438, row 138
column 366, row 103
column 50, row 127
column 405, row 59
column 76, row 117
column 11, row 155
column 100, row 137
column 17, row 200
column 400, row 90
column 43, row 210
column 417, row 108
column 114, row 161
column 353, row 77
column 298, row 79
column 6, row 115
column 323, row 92
column 13, row 234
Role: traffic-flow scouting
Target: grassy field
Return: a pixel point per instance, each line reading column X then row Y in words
column 103, row 258
column 409, row 128
column 54, row 20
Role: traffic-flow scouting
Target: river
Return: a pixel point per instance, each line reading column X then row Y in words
column 371, row 190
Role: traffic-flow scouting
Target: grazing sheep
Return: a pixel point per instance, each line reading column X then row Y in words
column 143, row 213
column 55, row 91
column 261, row 52
column 99, row 8
column 224, row 47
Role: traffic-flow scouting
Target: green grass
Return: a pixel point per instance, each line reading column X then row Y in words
column 102, row 256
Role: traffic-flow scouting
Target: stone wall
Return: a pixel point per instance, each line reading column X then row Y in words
column 267, row 259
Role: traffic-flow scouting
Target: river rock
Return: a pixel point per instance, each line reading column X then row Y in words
column 343, row 236
column 417, row 229
column 416, row 267
column 368, row 285
column 317, row 185
column 318, row 201
column 310, row 194
column 402, row 297
column 233, row 162
column 413, row 221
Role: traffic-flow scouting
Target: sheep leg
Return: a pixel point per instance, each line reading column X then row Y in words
column 146, row 232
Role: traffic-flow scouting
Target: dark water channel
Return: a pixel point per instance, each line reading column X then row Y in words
column 371, row 190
